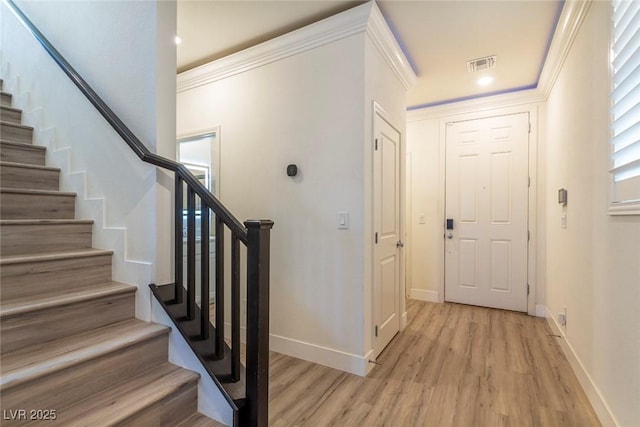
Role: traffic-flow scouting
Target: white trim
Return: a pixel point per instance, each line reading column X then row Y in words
column 625, row 208
column 602, row 410
column 352, row 363
column 424, row 295
column 573, row 13
column 541, row 310
column 364, row 18
column 478, row 105
column 382, row 37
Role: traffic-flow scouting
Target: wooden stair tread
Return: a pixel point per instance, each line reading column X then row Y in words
column 199, row 420
column 28, row 166
column 28, row 304
column 23, row 145
column 85, row 253
column 44, row 221
column 25, row 364
column 15, row 125
column 10, row 108
column 36, row 192
column 116, row 405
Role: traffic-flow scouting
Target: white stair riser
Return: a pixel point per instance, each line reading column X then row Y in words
column 73, row 384
column 36, row 206
column 30, row 178
column 20, row 239
column 49, row 324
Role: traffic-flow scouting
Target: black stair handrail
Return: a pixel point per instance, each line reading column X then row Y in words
column 255, row 234
column 127, row 135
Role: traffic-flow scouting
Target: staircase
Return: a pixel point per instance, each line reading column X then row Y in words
column 72, row 352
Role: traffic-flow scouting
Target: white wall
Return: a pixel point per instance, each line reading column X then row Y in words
column 306, row 109
column 313, row 108
column 593, row 266
column 125, row 51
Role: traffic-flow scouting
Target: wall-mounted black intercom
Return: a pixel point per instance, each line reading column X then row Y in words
column 449, row 223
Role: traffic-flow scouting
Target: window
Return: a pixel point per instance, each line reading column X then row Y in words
column 625, row 110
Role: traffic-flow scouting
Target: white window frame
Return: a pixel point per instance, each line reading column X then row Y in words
column 625, row 151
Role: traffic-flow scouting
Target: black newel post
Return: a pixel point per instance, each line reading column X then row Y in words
column 257, row 378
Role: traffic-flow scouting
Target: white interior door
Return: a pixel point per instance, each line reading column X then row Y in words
column 487, row 182
column 386, row 201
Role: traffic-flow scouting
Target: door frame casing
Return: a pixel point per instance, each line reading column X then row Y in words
column 378, row 110
column 532, row 195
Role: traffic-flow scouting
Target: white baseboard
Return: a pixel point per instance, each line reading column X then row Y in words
column 354, row 364
column 541, row 310
column 599, row 405
column 424, row 295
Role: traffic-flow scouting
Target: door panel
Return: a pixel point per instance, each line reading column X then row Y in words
column 386, row 218
column 487, row 197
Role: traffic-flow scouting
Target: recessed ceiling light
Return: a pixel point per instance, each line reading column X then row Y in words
column 177, row 40
column 485, row 81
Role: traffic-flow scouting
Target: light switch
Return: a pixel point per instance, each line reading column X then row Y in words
column 343, row 220
column 421, row 219
column 563, row 220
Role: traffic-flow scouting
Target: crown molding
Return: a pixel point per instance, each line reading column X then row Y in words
column 364, row 18
column 571, row 18
column 380, row 34
column 513, row 99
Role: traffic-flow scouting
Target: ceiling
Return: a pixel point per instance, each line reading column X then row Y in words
column 438, row 37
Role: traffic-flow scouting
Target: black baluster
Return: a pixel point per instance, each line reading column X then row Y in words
column 178, row 237
column 219, row 338
column 235, row 307
column 191, row 253
column 204, row 274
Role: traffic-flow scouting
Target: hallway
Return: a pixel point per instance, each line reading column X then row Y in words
column 454, row 365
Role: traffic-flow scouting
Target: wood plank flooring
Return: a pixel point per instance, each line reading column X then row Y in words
column 454, row 365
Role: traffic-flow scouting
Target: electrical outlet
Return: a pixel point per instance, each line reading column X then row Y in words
column 562, row 319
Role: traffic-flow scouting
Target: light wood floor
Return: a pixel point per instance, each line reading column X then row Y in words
column 453, row 365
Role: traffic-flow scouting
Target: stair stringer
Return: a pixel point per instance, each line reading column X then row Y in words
column 88, row 206
column 211, row 401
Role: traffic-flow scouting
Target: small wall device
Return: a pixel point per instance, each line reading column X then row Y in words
column 292, row 170
column 562, row 196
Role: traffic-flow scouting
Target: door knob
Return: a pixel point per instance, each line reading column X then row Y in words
column 400, row 244
column 450, row 236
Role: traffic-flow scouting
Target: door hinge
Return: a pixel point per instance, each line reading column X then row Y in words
column 529, row 127
column 528, row 235
column 376, row 237
column 376, row 330
column 529, row 184
column 528, row 289
column 376, row 143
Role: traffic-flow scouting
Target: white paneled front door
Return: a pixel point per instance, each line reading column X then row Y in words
column 486, row 232
column 386, row 217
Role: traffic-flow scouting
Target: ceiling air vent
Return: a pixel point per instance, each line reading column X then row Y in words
column 482, row 63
